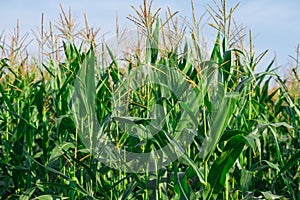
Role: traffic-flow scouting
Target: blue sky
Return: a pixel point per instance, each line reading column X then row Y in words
column 274, row 23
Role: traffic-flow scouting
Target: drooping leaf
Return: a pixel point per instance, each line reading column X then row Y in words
column 59, row 150
column 220, row 168
column 223, row 115
column 269, row 196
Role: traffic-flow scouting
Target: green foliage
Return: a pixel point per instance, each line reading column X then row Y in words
column 246, row 143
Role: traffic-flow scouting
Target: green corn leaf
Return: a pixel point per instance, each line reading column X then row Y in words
column 183, row 188
column 59, row 150
column 219, row 124
column 127, row 192
column 220, row 168
column 293, row 161
column 50, row 197
column 269, row 196
column 39, row 100
column 89, row 66
column 154, row 43
column 113, row 58
column 28, row 193
column 272, row 165
column 226, row 65
column 6, row 99
column 216, row 52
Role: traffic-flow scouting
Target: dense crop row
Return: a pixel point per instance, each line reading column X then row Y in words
column 244, row 129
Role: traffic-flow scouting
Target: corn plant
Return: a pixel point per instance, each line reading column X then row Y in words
column 158, row 119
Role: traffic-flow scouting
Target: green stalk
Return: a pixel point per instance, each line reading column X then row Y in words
column 205, row 134
column 227, row 188
column 205, row 171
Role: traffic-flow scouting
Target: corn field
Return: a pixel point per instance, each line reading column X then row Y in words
column 152, row 114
